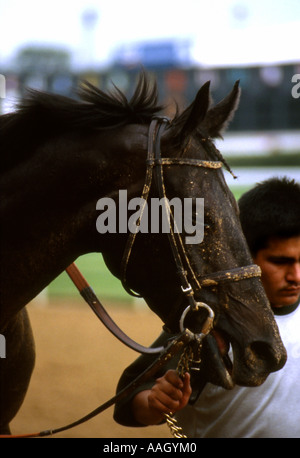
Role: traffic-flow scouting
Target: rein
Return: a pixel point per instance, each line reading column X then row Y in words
column 90, row 297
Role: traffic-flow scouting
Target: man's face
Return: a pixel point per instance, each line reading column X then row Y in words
column 280, row 265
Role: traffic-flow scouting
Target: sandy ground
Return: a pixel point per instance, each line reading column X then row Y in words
column 78, row 365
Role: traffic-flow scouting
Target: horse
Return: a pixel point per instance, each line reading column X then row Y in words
column 61, row 156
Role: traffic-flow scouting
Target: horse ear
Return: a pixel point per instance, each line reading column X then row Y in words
column 185, row 124
column 198, row 109
column 218, row 117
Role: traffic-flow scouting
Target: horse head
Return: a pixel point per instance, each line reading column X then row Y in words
column 216, row 269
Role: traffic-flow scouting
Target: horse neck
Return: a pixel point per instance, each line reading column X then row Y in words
column 50, row 204
column 68, row 172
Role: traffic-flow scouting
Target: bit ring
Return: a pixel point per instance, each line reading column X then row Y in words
column 208, row 323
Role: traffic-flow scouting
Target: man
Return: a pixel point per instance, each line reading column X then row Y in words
column 270, row 218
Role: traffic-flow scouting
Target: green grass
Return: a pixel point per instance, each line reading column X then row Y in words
column 97, row 275
column 238, row 190
column 266, row 160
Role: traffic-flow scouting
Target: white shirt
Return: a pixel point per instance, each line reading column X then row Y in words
column 271, row 410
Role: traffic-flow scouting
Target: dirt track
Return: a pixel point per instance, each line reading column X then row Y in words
column 77, row 368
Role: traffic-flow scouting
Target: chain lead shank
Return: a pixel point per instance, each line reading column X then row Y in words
column 191, row 355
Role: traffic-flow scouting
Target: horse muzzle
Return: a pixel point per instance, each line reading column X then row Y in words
column 227, row 364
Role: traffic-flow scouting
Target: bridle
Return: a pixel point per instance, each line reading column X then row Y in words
column 155, row 164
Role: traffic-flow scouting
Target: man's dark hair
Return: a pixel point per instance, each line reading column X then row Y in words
column 270, row 209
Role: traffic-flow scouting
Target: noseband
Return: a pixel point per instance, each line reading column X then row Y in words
column 184, row 269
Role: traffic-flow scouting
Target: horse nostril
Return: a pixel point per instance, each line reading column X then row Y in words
column 253, row 363
column 260, row 349
column 267, row 355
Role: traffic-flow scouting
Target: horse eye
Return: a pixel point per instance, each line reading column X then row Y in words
column 194, row 221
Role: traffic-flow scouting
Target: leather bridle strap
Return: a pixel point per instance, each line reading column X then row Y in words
column 90, row 297
column 144, row 199
column 237, row 274
column 158, row 170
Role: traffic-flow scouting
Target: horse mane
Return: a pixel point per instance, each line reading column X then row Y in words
column 95, row 109
column 41, row 115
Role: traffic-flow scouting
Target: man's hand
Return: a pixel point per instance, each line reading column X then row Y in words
column 168, row 395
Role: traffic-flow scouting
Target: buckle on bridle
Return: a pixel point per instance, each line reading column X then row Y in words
column 186, row 290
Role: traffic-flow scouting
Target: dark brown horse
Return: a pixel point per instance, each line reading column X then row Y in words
column 59, row 157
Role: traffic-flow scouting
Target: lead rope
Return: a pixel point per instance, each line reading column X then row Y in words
column 190, row 355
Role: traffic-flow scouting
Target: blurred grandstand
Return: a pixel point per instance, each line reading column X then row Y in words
column 268, row 113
